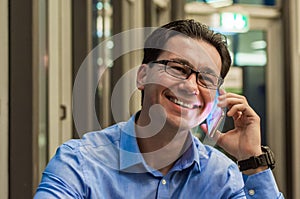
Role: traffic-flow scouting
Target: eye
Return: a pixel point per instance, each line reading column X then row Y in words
column 178, row 68
column 207, row 79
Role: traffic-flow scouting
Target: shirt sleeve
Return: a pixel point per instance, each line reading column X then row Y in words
column 261, row 185
column 63, row 176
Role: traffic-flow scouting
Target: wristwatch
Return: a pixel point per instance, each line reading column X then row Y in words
column 265, row 159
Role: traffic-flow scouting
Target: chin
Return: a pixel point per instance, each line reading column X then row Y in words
column 183, row 124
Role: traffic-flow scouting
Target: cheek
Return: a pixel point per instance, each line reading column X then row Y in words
column 160, row 78
column 207, row 109
column 157, row 81
column 152, row 92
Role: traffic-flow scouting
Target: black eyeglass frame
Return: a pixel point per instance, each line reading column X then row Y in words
column 165, row 63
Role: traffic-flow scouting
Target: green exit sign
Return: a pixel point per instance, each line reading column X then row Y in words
column 234, row 22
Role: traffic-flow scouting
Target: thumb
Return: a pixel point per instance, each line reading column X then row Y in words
column 215, row 136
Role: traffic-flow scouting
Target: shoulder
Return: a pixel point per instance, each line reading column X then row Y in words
column 93, row 146
column 94, row 139
column 78, row 163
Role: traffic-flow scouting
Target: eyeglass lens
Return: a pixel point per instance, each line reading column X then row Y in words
column 182, row 71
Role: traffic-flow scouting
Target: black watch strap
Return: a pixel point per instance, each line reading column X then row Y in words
column 265, row 159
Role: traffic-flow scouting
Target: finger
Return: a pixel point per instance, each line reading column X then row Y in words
column 204, row 128
column 234, row 100
column 234, row 103
column 222, row 91
column 231, row 98
column 237, row 110
column 237, row 115
column 229, row 102
column 224, row 94
column 234, row 95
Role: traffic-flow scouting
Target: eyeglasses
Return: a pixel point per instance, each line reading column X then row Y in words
column 183, row 71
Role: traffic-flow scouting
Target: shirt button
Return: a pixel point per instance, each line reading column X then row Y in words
column 251, row 192
column 164, row 182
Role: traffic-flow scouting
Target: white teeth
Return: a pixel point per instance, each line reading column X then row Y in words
column 181, row 103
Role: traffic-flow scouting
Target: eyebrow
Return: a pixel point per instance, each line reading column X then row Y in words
column 186, row 62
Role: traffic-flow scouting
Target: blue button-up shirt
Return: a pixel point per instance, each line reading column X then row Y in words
column 108, row 164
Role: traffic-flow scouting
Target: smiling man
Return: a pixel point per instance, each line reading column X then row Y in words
column 154, row 154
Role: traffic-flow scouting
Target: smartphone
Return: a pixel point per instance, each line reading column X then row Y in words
column 216, row 119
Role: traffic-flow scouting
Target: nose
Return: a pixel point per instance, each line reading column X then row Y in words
column 190, row 85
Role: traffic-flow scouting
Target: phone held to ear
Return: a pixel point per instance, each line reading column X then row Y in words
column 216, row 119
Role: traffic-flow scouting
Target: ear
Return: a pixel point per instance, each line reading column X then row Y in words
column 141, row 76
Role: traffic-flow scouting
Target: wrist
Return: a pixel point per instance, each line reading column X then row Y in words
column 254, row 171
column 255, row 153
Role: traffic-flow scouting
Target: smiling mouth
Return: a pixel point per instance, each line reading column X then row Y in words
column 183, row 104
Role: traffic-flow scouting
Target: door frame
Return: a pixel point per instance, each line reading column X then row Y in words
column 4, row 99
column 60, row 73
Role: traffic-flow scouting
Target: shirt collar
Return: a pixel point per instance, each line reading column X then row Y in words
column 129, row 151
column 132, row 160
column 190, row 156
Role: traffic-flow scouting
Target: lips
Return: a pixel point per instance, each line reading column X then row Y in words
column 183, row 104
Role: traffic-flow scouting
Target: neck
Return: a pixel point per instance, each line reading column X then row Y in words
column 160, row 144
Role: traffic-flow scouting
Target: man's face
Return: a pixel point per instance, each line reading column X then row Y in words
column 185, row 103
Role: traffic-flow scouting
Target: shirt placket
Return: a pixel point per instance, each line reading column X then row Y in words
column 163, row 188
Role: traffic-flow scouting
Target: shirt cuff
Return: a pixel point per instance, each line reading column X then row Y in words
column 261, row 185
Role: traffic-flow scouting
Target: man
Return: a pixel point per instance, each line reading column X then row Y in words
column 154, row 154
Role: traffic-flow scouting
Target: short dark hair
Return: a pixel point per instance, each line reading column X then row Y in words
column 157, row 39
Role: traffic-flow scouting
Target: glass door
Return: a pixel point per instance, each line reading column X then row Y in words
column 257, row 70
column 248, row 74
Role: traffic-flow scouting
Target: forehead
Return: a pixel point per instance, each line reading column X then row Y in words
column 197, row 52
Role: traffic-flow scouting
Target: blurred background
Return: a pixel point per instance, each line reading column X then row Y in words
column 45, row 42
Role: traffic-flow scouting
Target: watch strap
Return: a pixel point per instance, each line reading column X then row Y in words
column 265, row 159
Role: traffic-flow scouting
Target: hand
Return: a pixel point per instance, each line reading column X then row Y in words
column 244, row 140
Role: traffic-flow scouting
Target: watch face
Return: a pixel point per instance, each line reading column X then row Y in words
column 269, row 156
